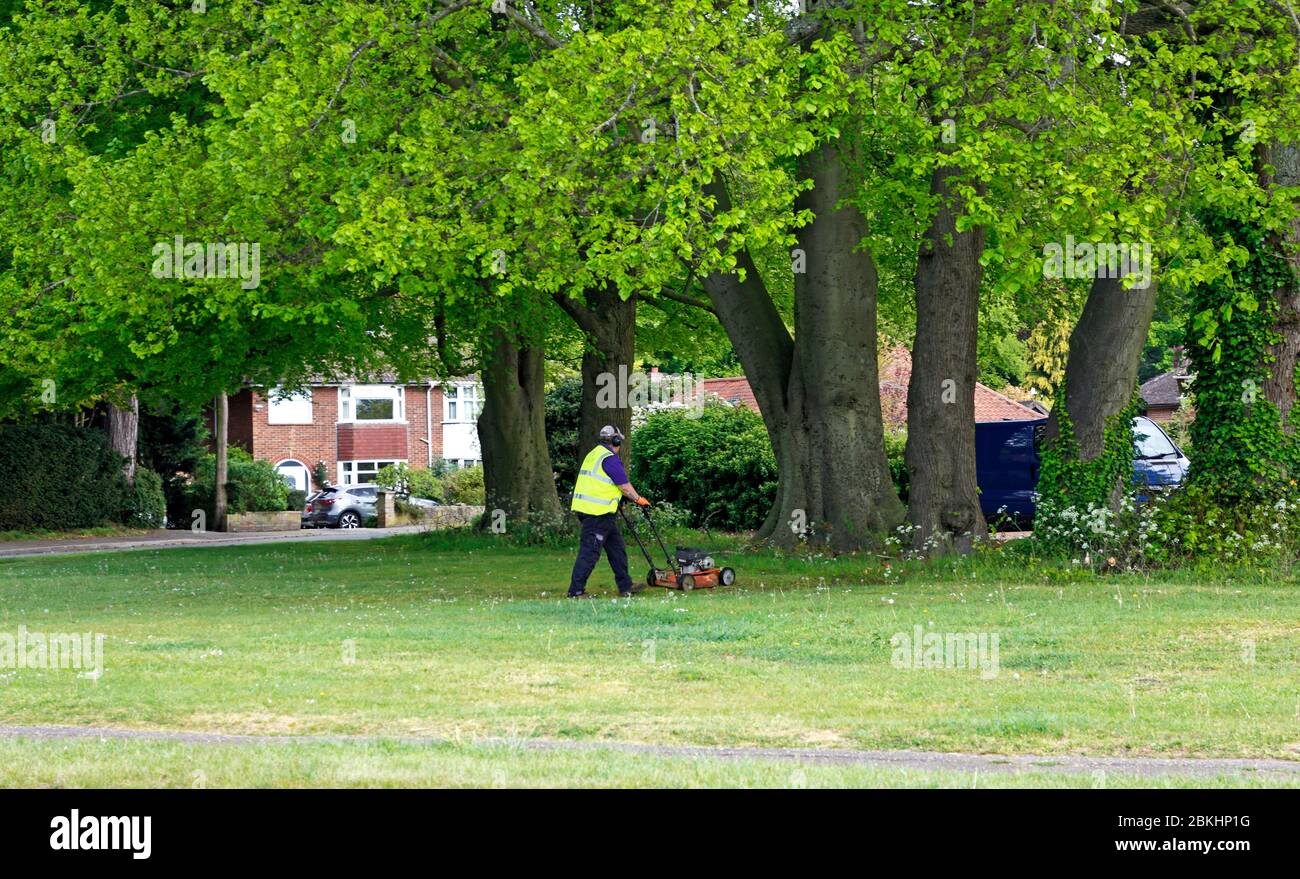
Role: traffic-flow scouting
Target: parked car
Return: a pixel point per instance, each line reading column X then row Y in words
column 307, row 509
column 1007, row 464
column 340, row 506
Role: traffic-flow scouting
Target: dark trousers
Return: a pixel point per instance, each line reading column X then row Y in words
column 598, row 532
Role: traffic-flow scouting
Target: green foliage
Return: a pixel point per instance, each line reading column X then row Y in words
column 464, row 486
column 252, row 486
column 296, row 499
column 320, row 475
column 1069, row 487
column 171, row 442
column 415, row 482
column 895, row 449
column 1242, row 453
column 144, row 504
column 59, row 477
column 563, row 403
column 1198, row 527
column 719, row 466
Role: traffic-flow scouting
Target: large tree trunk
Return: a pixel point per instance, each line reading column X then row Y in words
column 609, row 323
column 512, row 434
column 220, row 427
column 1280, row 384
column 943, row 505
column 123, row 433
column 1102, row 366
column 819, row 392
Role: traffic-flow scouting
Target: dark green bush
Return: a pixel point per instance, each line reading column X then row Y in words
column 145, row 504
column 59, row 478
column 719, row 466
column 407, row 481
column 464, row 486
column 251, row 486
column 297, row 499
column 563, row 403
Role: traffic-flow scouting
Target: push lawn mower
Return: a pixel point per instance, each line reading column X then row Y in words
column 690, row 569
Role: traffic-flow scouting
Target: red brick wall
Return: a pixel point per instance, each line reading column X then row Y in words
column 240, row 430
column 417, row 452
column 307, row 443
column 326, row 440
column 435, row 403
column 387, row 441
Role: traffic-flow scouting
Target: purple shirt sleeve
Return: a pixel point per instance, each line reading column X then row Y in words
column 613, row 466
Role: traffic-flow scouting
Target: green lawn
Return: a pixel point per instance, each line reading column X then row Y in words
column 467, row 637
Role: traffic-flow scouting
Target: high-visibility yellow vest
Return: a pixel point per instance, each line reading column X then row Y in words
column 594, row 492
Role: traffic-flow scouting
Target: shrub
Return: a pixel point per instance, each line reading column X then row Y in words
column 464, row 486
column 563, row 404
column 297, row 499
column 1195, row 525
column 59, row 478
column 145, row 504
column 717, row 465
column 251, row 486
column 408, row 482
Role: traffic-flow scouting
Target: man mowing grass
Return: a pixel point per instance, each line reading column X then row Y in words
column 602, row 482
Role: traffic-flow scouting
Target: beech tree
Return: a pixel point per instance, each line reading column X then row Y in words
column 1225, row 75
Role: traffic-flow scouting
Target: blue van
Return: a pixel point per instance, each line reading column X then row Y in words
column 1006, row 464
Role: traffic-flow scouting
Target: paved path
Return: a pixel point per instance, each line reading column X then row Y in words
column 925, row 761
column 171, row 539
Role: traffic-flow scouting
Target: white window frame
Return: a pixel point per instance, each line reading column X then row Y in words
column 284, row 408
column 349, row 395
column 457, row 397
column 348, row 474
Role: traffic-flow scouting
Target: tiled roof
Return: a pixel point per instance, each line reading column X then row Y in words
column 1163, row 391
column 732, row 390
column 895, row 373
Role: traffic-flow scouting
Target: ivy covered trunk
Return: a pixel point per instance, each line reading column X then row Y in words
column 1243, row 453
column 1088, row 458
column 517, row 472
column 1284, row 350
column 818, row 391
column 943, row 504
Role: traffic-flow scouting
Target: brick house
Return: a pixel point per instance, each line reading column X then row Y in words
column 357, row 428
column 895, row 372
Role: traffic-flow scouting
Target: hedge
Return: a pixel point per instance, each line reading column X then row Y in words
column 145, row 504
column 718, row 465
column 59, row 478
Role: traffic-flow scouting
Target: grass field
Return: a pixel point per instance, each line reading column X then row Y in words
column 468, row 637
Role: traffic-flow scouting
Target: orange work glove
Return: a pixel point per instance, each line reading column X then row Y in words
column 642, row 502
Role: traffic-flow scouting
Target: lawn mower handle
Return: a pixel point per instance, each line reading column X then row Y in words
column 653, row 530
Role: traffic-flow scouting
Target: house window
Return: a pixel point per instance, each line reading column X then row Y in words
column 361, row 472
column 286, row 408
column 462, row 463
column 372, row 403
column 461, row 402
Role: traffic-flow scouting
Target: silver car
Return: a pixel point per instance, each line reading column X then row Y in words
column 341, row 506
